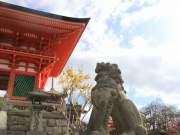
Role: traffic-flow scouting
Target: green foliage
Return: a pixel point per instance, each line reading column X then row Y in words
column 1, row 102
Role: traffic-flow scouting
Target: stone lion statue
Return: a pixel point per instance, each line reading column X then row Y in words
column 109, row 99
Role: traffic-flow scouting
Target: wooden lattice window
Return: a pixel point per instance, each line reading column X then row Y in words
column 23, row 85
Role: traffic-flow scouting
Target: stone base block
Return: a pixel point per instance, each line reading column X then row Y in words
column 16, row 133
column 36, row 133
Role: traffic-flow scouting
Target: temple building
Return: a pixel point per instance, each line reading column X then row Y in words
column 34, row 46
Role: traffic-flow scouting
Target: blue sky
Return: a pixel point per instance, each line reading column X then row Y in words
column 141, row 36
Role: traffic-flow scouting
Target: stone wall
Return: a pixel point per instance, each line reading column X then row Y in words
column 18, row 123
column 3, row 122
column 54, row 123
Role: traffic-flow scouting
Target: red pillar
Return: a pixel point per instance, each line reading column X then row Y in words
column 11, row 83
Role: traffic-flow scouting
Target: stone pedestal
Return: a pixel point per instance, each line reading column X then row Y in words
column 36, row 127
column 36, row 118
column 20, row 122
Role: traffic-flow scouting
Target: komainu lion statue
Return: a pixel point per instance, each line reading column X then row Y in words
column 109, row 99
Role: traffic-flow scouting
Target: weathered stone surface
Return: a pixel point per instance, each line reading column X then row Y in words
column 53, row 115
column 36, row 133
column 51, row 123
column 62, row 122
column 16, row 133
column 12, row 120
column 36, row 121
column 20, row 113
column 53, row 131
column 44, row 123
column 64, row 129
column 2, row 131
column 109, row 99
column 18, row 128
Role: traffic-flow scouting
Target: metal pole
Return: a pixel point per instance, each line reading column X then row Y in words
column 52, row 85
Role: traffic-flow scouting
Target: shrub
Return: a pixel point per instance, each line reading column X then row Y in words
column 1, row 102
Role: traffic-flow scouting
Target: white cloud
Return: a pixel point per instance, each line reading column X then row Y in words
column 153, row 70
column 139, row 42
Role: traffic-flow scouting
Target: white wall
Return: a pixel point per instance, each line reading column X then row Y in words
column 2, row 93
column 3, row 119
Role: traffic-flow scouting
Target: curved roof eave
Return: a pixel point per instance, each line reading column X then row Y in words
column 45, row 14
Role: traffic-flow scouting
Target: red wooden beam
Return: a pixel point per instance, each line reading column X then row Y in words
column 26, row 54
column 52, row 38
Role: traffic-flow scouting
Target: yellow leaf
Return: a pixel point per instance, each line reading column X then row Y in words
column 69, row 72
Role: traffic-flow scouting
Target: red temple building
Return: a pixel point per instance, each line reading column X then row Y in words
column 34, row 45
